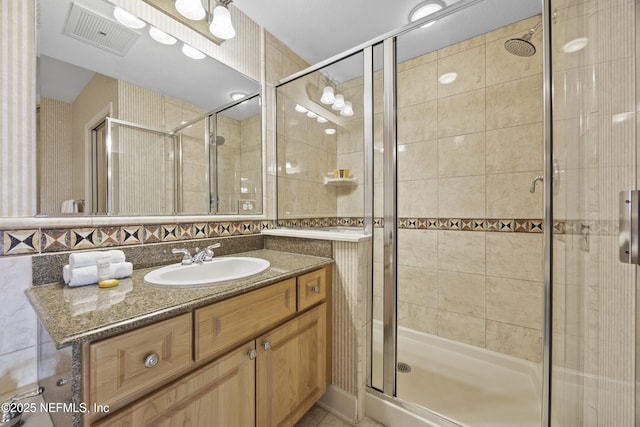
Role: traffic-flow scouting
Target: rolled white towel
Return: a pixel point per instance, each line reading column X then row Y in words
column 86, row 259
column 89, row 275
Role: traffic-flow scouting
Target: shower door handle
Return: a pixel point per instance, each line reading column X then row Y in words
column 629, row 217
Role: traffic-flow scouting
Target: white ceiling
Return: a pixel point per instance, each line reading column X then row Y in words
column 314, row 29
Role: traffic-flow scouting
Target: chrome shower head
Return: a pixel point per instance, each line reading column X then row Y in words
column 522, row 46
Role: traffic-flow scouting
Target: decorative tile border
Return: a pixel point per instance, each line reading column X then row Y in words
column 41, row 240
column 45, row 240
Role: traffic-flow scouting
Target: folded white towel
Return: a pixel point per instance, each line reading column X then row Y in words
column 68, row 206
column 89, row 275
column 86, row 259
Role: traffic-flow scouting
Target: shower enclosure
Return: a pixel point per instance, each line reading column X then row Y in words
column 487, row 147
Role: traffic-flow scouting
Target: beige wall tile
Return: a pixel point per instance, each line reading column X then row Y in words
column 458, row 327
column 418, row 286
column 470, row 105
column 461, row 251
column 417, row 84
column 462, row 46
column 517, row 102
column 418, row 198
column 462, row 155
column 461, row 293
column 416, row 248
column 514, row 340
column 418, row 317
column 418, row 122
column 515, row 255
column 469, row 66
column 515, row 149
column 516, row 302
column 508, row 196
column 462, row 197
column 418, row 160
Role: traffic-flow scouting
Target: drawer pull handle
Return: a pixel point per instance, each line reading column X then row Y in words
column 252, row 354
column 266, row 345
column 316, row 289
column 151, row 360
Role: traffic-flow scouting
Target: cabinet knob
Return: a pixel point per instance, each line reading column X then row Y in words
column 252, row 354
column 266, row 345
column 151, row 360
column 316, row 289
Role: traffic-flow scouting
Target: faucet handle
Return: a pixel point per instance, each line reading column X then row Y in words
column 186, row 255
column 209, row 252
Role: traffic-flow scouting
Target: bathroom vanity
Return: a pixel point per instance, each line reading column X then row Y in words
column 252, row 352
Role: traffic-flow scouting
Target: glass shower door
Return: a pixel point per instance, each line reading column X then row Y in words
column 595, row 157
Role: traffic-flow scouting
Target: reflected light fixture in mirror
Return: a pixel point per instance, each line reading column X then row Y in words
column 237, row 95
column 161, row 36
column 191, row 9
column 192, row 52
column 221, row 25
column 328, row 96
column 127, row 19
column 424, row 9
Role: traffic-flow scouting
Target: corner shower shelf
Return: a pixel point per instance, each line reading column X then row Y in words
column 340, row 181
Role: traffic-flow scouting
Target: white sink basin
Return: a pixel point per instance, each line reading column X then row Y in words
column 220, row 270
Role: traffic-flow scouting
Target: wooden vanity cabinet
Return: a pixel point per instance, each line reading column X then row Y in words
column 259, row 359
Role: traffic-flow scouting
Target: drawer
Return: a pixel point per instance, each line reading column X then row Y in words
column 229, row 323
column 312, row 288
column 117, row 365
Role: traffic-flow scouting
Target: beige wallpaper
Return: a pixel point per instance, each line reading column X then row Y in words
column 17, row 98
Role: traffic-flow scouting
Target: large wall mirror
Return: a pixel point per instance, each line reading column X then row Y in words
column 127, row 125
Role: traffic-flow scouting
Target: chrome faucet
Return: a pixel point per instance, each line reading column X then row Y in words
column 186, row 255
column 206, row 254
column 198, row 257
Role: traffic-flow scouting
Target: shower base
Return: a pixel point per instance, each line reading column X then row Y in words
column 471, row 386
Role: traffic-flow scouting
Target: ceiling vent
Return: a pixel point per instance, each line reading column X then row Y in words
column 88, row 26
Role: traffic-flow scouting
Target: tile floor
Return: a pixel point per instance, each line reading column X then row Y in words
column 318, row 417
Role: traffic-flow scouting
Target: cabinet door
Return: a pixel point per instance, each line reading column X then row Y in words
column 220, row 394
column 291, row 367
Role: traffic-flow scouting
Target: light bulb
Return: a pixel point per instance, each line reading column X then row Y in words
column 424, row 9
column 191, row 9
column 338, row 103
column 192, row 52
column 221, row 25
column 127, row 19
column 328, row 96
column 300, row 109
column 347, row 110
column 161, row 36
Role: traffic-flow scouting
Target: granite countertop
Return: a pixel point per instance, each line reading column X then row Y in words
column 86, row 313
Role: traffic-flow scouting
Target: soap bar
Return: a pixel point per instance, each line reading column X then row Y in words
column 109, row 283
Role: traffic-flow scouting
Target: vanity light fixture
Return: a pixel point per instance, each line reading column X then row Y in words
column 127, row 19
column 191, row 9
column 221, row 25
column 347, row 110
column 338, row 104
column 425, row 8
column 328, row 96
column 192, row 52
column 161, row 36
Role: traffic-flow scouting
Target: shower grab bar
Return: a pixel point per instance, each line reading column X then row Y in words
column 629, row 217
